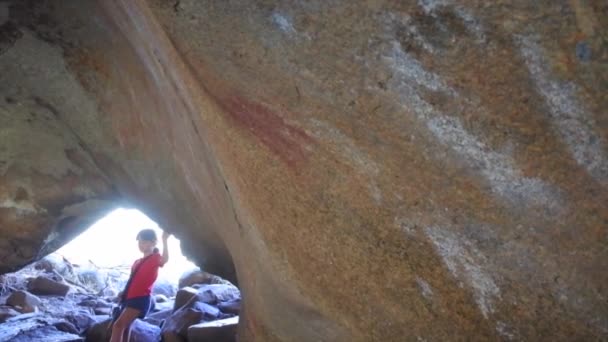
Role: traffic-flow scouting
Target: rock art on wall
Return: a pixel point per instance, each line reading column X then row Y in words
column 363, row 170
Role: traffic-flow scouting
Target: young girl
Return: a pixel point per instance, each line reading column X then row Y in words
column 136, row 300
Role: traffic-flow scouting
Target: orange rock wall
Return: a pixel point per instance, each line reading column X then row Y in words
column 369, row 170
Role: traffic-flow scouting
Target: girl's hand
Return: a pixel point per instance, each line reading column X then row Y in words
column 166, row 235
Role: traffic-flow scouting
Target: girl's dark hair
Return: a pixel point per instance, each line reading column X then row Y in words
column 147, row 235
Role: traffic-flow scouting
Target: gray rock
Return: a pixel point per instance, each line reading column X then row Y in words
column 140, row 332
column 164, row 287
column 7, row 312
column 160, row 298
column 144, row 332
column 45, row 286
column 231, row 307
column 216, row 293
column 46, row 334
column 66, row 327
column 210, row 312
column 109, row 292
column 196, row 276
column 95, row 303
column 158, row 317
column 82, row 320
column 217, row 331
column 179, row 321
column 163, row 306
column 102, row 311
column 210, row 294
column 24, row 301
column 169, row 336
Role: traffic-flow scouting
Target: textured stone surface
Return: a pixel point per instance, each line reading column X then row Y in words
column 220, row 331
column 25, row 301
column 42, row 285
column 6, row 312
column 50, row 189
column 371, row 170
column 140, row 331
column 196, row 276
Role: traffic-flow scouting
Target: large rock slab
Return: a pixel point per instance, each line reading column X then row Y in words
column 44, row 333
column 197, row 276
column 42, row 285
column 7, row 312
column 223, row 330
column 217, row 293
column 179, row 322
column 371, row 170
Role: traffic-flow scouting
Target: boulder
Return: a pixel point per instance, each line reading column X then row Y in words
column 81, row 320
column 180, row 320
column 157, row 318
column 210, row 312
column 95, row 302
column 102, row 311
column 99, row 332
column 24, row 301
column 217, row 331
column 44, row 286
column 169, row 336
column 196, row 276
column 66, row 327
column 160, row 298
column 217, row 293
column 164, row 287
column 230, row 307
column 109, row 292
column 7, row 312
column 210, row 294
column 47, row 334
column 188, row 314
column 183, row 296
column 170, row 304
column 145, row 332
column 140, row 331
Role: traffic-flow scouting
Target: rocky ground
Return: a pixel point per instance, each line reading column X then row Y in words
column 56, row 301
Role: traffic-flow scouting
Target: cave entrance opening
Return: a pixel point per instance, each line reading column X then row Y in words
column 70, row 294
column 108, row 248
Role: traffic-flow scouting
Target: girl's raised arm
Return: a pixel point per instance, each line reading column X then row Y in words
column 165, row 256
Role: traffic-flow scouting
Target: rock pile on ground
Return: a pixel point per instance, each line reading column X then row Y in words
column 51, row 301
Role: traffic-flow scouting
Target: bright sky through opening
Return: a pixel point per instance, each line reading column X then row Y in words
column 110, row 242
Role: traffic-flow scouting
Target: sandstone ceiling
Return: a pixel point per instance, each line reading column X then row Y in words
column 369, row 170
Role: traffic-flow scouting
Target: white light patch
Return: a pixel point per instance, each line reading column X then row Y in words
column 425, row 288
column 498, row 168
column 283, row 23
column 346, row 148
column 21, row 207
column 574, row 124
column 466, row 264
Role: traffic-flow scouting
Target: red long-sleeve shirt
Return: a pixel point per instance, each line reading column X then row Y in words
column 146, row 275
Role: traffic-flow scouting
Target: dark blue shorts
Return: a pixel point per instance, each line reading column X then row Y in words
column 143, row 304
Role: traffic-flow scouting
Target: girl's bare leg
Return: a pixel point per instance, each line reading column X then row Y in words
column 122, row 326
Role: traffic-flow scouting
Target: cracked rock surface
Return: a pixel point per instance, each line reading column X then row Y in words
column 368, row 170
